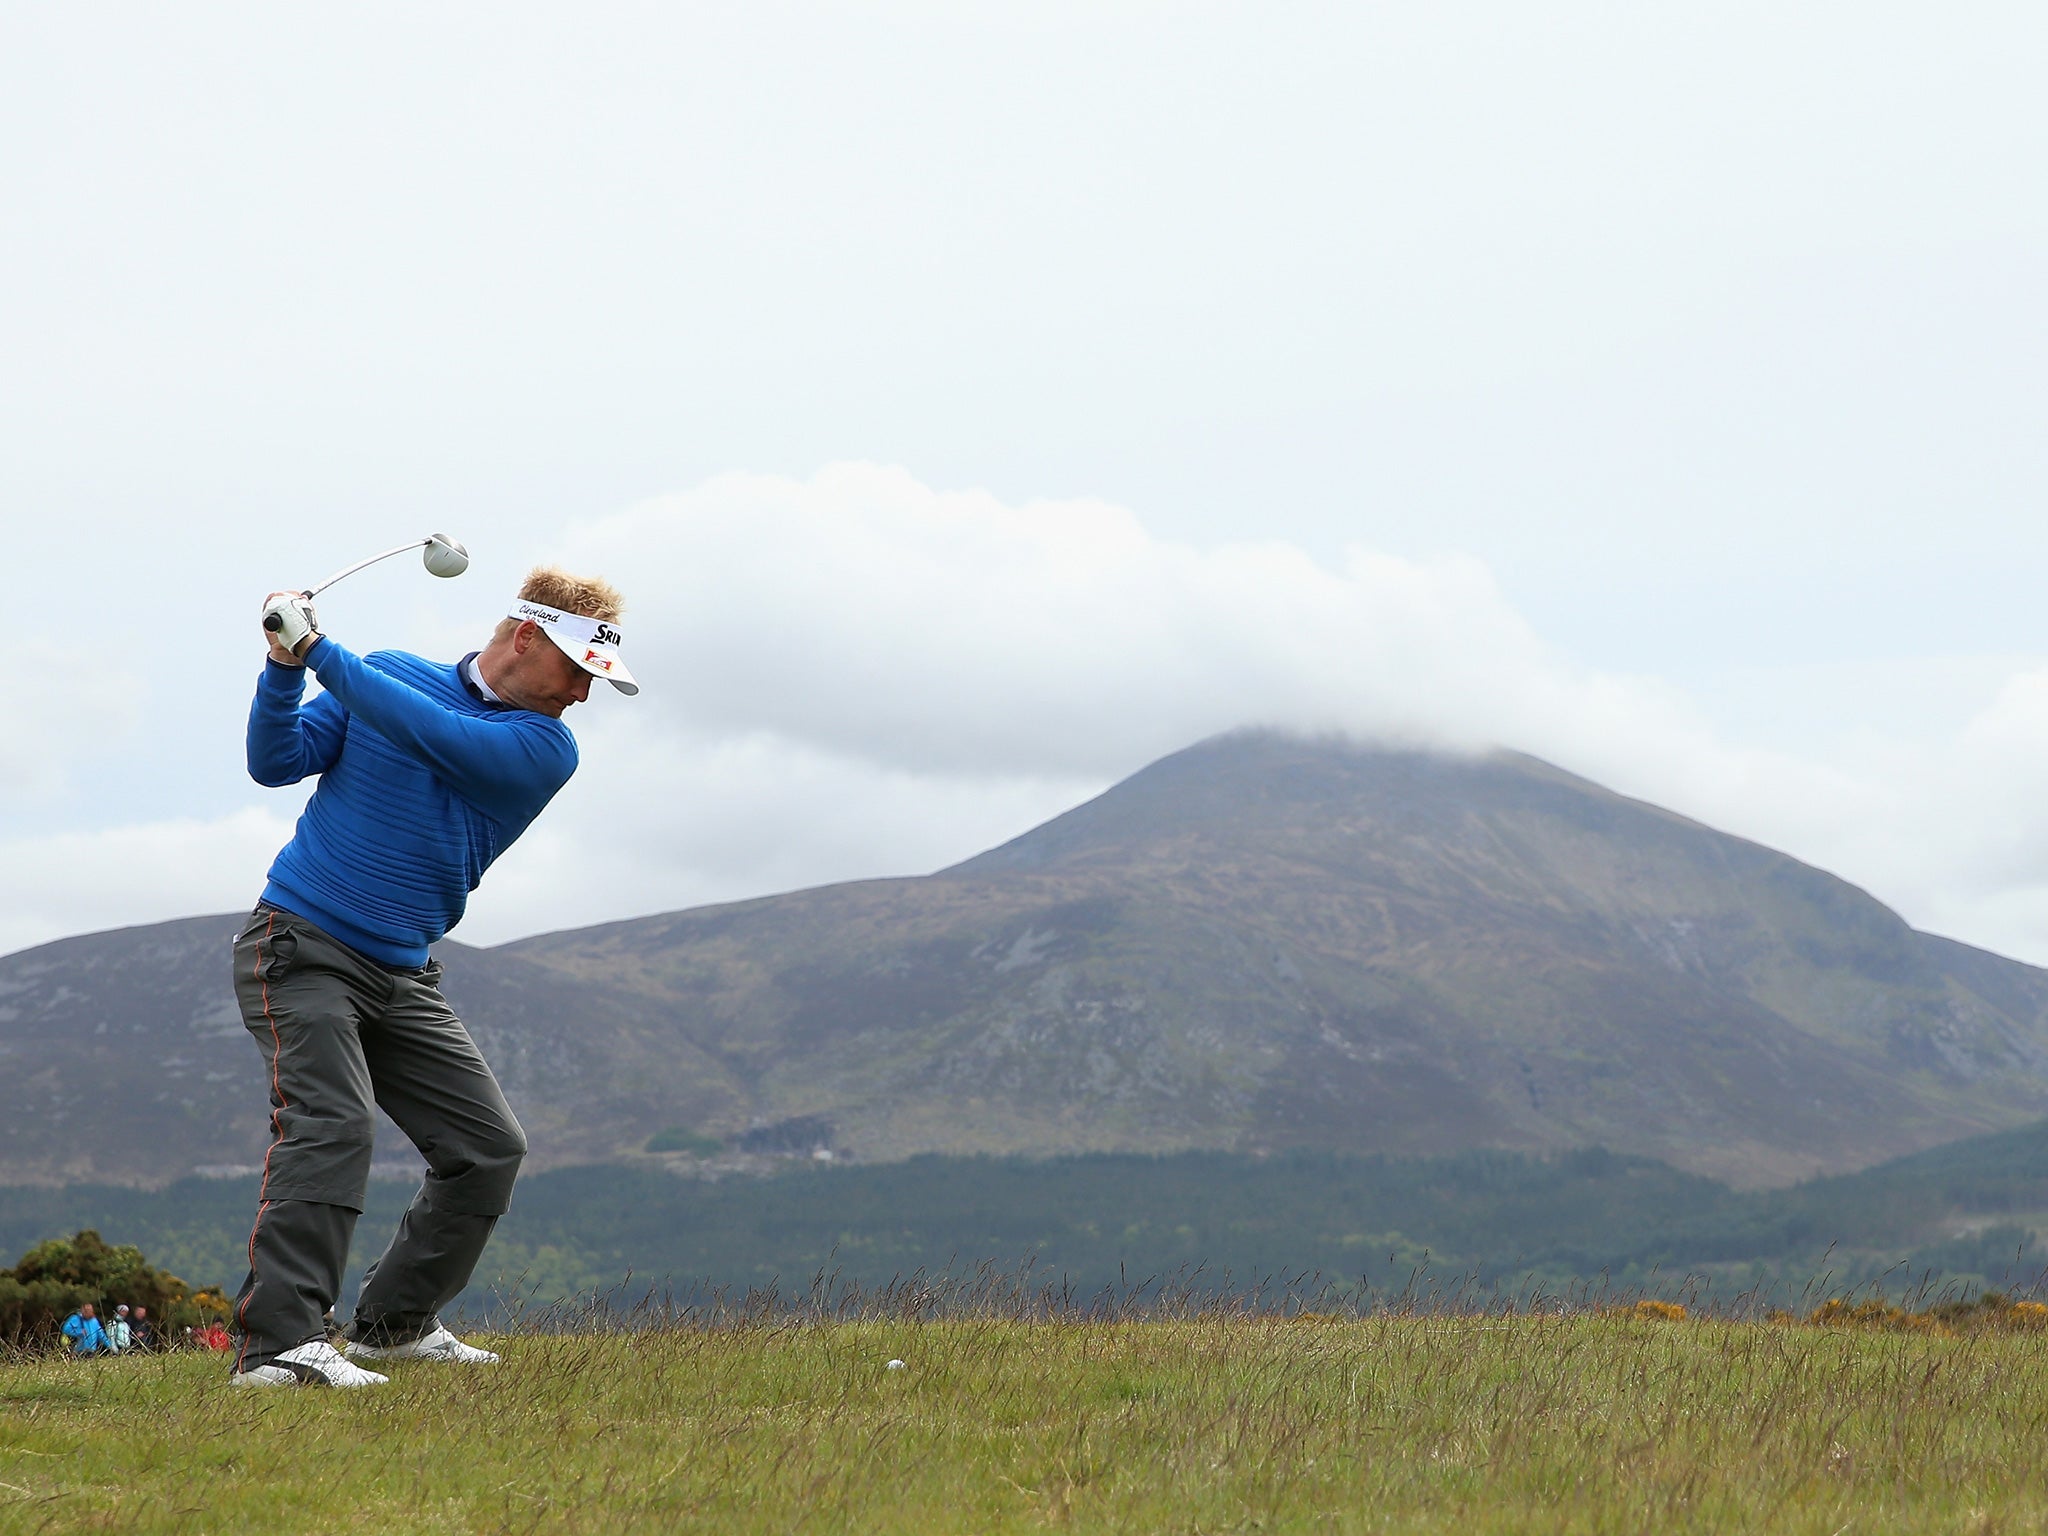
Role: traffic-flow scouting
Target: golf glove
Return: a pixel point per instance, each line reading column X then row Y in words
column 291, row 619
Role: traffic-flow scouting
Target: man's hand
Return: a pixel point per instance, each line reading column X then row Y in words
column 291, row 627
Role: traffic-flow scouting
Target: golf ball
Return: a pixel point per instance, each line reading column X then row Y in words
column 445, row 556
column 895, row 1365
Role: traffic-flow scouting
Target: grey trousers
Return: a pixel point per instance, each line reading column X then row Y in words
column 339, row 1033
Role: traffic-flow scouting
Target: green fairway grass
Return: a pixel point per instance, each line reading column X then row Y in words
column 1209, row 1424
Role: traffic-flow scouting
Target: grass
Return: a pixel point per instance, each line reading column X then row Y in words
column 1204, row 1423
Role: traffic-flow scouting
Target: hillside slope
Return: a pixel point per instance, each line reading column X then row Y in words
column 1262, row 942
column 123, row 1058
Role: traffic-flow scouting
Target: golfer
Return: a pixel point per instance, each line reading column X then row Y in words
column 427, row 772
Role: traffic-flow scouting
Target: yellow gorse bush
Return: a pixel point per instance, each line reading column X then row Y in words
column 212, row 1304
column 1989, row 1311
column 1837, row 1312
column 1656, row 1312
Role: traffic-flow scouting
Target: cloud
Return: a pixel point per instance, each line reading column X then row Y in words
column 79, row 882
column 59, row 705
column 865, row 614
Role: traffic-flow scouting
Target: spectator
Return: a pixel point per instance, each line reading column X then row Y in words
column 145, row 1335
column 215, row 1336
column 119, row 1334
column 83, row 1329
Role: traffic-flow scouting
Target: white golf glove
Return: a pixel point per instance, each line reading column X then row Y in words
column 291, row 620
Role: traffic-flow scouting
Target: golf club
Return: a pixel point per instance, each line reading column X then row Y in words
column 444, row 555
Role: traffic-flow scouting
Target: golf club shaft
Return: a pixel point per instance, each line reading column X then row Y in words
column 351, row 570
column 446, row 556
column 273, row 623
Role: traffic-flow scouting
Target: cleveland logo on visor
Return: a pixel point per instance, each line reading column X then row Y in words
column 593, row 644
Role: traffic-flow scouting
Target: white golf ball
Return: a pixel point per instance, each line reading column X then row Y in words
column 445, row 555
column 895, row 1365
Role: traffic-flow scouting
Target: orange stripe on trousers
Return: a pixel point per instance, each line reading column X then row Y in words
column 277, row 1107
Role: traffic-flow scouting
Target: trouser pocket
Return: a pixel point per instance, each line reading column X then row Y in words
column 301, row 1007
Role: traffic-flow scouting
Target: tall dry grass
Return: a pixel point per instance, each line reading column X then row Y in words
column 1018, row 1408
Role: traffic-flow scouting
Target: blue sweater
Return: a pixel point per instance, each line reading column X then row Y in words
column 422, row 785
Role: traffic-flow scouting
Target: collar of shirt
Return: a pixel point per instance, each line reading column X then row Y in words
column 473, row 679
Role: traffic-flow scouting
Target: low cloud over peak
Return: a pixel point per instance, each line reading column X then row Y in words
column 864, row 613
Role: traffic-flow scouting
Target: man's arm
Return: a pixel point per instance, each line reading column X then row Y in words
column 288, row 743
column 509, row 765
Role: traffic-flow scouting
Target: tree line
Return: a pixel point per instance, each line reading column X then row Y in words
column 1954, row 1216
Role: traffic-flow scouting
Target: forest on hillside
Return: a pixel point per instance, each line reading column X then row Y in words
column 1960, row 1216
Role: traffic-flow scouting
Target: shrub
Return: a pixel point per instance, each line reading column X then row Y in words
column 1648, row 1311
column 206, row 1306
column 1840, row 1312
column 1992, row 1310
column 56, row 1277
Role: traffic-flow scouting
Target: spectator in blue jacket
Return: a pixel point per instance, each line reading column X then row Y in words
column 83, row 1329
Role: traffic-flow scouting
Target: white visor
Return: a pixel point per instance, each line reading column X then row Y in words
column 593, row 644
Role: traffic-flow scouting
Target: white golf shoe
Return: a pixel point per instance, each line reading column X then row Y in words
column 437, row 1345
column 318, row 1364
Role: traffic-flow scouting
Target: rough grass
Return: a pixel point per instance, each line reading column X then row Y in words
column 1197, row 1424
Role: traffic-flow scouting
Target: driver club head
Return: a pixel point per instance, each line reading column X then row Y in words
column 445, row 555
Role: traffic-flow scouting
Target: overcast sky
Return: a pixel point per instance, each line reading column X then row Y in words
column 976, row 402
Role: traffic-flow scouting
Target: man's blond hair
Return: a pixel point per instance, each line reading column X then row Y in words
column 591, row 596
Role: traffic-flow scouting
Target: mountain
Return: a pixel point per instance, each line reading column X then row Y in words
column 1258, row 944
column 1263, row 942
